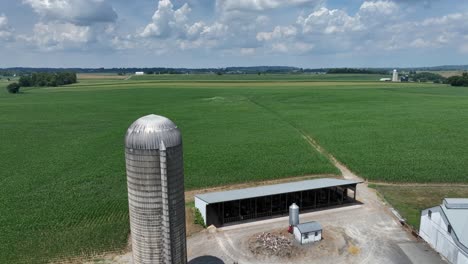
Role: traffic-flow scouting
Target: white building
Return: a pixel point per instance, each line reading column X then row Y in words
column 139, row 73
column 309, row 232
column 445, row 228
column 385, row 79
column 395, row 76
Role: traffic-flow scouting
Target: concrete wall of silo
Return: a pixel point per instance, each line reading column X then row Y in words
column 155, row 180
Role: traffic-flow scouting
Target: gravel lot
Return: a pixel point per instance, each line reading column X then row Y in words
column 364, row 233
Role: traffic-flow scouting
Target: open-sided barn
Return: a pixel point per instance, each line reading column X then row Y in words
column 219, row 208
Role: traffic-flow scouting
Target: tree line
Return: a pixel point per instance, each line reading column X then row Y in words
column 458, row 80
column 426, row 77
column 356, row 70
column 43, row 79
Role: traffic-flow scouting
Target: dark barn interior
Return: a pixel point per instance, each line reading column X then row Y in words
column 233, row 211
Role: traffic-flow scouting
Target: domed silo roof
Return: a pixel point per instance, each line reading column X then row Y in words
column 150, row 131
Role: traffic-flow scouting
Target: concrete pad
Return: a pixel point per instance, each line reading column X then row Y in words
column 420, row 253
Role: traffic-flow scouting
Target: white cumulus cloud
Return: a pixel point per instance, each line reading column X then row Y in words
column 259, row 5
column 241, row 27
column 279, row 32
column 216, row 30
column 58, row 36
column 329, row 21
column 377, row 25
column 167, row 21
column 378, row 7
column 72, row 24
column 80, row 12
column 174, row 28
column 6, row 32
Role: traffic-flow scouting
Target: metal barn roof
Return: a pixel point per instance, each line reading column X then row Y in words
column 217, row 197
column 457, row 215
column 309, row 227
column 456, row 203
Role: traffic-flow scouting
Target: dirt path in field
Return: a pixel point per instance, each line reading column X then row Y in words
column 345, row 172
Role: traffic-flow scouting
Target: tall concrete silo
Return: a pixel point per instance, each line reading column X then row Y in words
column 395, row 76
column 155, row 180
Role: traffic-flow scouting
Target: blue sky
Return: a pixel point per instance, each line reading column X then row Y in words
column 220, row 33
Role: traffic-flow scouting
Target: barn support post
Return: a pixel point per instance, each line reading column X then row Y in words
column 315, row 199
column 255, row 210
column 300, row 201
column 342, row 195
column 222, row 213
column 271, row 205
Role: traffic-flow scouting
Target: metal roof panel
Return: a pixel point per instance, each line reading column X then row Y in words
column 217, row 197
column 456, row 203
column 458, row 219
column 309, row 227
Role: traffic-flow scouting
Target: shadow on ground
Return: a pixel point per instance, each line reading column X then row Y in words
column 206, row 260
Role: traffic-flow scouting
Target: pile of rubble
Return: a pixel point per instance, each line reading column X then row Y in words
column 267, row 243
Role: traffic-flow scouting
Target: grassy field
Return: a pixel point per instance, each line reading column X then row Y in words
column 447, row 74
column 411, row 200
column 262, row 77
column 100, row 76
column 62, row 180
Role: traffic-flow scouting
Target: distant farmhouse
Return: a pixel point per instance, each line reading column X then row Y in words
column 445, row 228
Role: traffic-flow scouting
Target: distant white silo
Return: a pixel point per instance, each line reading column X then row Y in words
column 155, row 180
column 293, row 215
column 395, row 76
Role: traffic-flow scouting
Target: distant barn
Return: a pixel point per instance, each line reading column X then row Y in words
column 139, row 73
